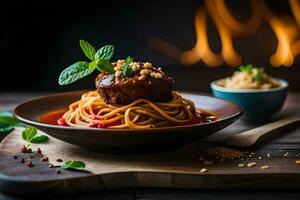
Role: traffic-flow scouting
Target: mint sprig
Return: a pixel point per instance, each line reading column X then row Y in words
column 8, row 122
column 100, row 60
column 257, row 73
column 73, row 164
column 126, row 69
column 30, row 135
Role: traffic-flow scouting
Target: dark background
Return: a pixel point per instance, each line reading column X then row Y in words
column 38, row 39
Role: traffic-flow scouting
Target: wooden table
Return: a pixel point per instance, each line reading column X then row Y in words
column 290, row 142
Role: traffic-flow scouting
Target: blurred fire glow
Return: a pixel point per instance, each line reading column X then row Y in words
column 286, row 31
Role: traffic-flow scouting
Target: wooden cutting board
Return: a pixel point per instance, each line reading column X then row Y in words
column 177, row 169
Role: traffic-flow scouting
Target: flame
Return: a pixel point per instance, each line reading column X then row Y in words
column 286, row 32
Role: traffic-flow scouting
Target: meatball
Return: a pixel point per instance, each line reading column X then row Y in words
column 144, row 83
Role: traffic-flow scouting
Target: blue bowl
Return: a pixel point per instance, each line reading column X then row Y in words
column 258, row 104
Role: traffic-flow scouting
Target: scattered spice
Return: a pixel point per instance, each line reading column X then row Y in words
column 29, row 164
column 286, row 154
column 269, row 155
column 22, row 160
column 15, row 157
column 59, row 160
column 44, row 159
column 50, row 165
column 265, row 167
column 224, row 153
column 24, row 149
column 241, row 165
column 58, row 171
column 38, row 150
column 31, row 157
column 251, row 164
column 203, row 170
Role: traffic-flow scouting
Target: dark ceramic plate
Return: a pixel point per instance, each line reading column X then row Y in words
column 127, row 140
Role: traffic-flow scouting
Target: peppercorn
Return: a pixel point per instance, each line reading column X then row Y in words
column 38, row 150
column 29, row 164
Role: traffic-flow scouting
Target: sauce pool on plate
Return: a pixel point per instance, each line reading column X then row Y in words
column 52, row 117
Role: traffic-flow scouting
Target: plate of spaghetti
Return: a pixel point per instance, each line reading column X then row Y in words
column 133, row 107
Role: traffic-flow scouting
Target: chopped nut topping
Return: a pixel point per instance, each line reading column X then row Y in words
column 121, row 62
column 265, row 167
column 148, row 65
column 118, row 68
column 134, row 68
column 118, row 73
column 286, row 154
column 251, row 164
column 145, row 72
column 141, row 78
column 203, row 170
column 157, row 75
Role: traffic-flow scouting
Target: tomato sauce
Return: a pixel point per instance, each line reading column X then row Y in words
column 52, row 117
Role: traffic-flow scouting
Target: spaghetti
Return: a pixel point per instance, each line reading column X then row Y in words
column 92, row 111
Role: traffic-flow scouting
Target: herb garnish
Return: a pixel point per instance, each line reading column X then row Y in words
column 126, row 69
column 73, row 164
column 100, row 60
column 257, row 73
column 8, row 122
column 30, row 135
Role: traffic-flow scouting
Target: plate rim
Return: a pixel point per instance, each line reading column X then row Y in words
column 146, row 130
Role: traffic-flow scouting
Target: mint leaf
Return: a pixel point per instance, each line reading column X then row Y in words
column 258, row 74
column 8, row 118
column 126, row 70
column 73, row 165
column 106, row 52
column 39, row 139
column 29, row 133
column 105, row 66
column 75, row 72
column 5, row 128
column 88, row 49
column 129, row 60
column 246, row 68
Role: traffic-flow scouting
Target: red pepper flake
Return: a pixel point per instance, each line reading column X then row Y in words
column 102, row 125
column 62, row 122
column 58, row 171
column 24, row 149
column 39, row 150
column 22, row 160
column 29, row 164
column 44, row 159
column 50, row 165
column 31, row 157
column 15, row 157
column 59, row 160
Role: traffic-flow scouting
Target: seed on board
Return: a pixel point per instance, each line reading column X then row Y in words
column 241, row 165
column 265, row 167
column 286, row 154
column 208, row 162
column 50, row 165
column 268, row 155
column 29, row 164
column 203, row 170
column 58, row 171
column 22, row 160
column 44, row 159
column 259, row 158
column 251, row 164
column 15, row 157
column 39, row 150
column 59, row 160
column 31, row 157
